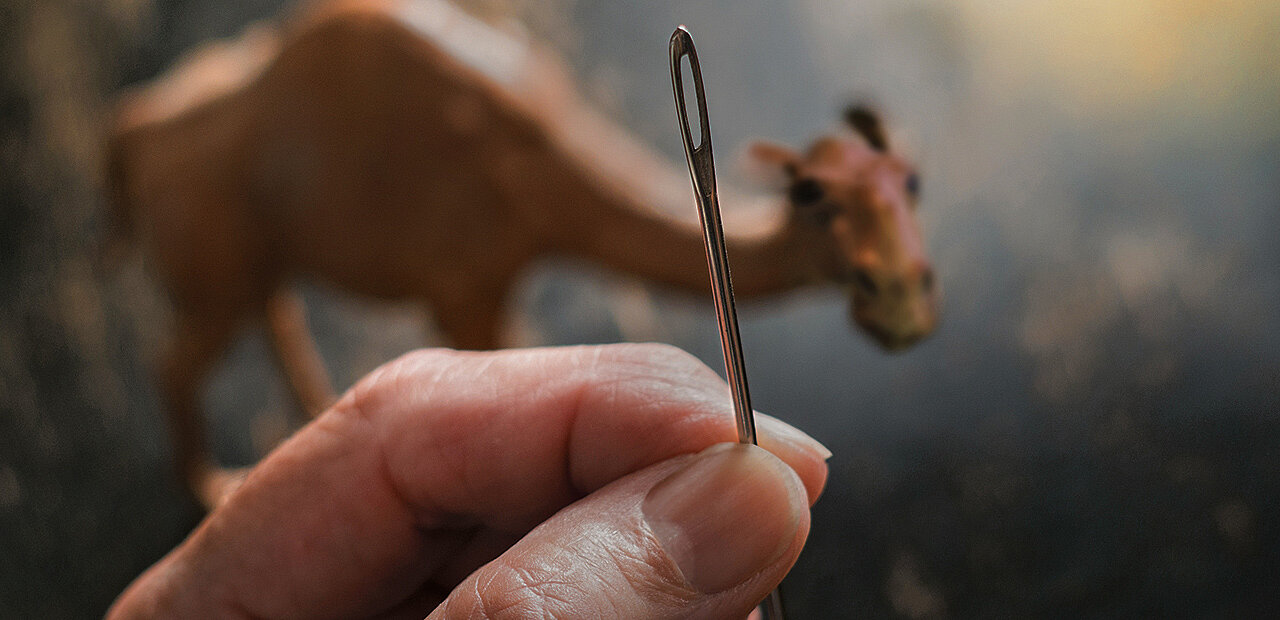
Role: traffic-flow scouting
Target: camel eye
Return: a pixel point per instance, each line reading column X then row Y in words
column 808, row 196
column 913, row 185
column 806, row 192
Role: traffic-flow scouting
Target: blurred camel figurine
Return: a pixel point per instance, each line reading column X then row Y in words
column 404, row 150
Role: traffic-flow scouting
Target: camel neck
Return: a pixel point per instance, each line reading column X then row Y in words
column 621, row 195
column 655, row 247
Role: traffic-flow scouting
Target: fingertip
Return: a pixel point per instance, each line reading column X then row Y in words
column 699, row 535
column 804, row 454
column 727, row 514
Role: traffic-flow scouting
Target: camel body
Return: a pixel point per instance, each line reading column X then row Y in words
column 403, row 150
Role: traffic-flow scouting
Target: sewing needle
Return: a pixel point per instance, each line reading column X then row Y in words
column 702, row 169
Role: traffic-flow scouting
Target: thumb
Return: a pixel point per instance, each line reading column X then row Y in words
column 704, row 535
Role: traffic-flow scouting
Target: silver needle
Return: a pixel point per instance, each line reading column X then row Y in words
column 703, row 170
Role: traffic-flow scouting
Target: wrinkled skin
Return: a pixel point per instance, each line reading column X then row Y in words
column 512, row 484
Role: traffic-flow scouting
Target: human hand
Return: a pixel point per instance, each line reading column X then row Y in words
column 586, row 482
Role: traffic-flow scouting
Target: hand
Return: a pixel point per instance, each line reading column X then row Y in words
column 587, row 482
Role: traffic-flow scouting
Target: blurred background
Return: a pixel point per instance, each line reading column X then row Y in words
column 1094, row 430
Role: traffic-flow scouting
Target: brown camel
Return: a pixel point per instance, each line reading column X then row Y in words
column 403, row 150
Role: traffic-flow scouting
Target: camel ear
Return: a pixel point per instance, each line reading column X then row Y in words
column 866, row 122
column 773, row 164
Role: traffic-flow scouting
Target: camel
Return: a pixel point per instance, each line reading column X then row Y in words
column 401, row 149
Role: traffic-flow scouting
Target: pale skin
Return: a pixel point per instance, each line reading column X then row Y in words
column 351, row 147
column 586, row 482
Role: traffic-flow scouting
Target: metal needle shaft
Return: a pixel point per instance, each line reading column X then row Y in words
column 703, row 170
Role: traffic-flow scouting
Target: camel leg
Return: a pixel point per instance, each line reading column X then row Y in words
column 473, row 325
column 296, row 352
column 196, row 344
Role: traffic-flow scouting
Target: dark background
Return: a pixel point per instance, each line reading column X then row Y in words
column 1094, row 431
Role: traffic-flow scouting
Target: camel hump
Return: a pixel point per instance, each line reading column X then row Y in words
column 206, row 73
column 500, row 54
column 495, row 48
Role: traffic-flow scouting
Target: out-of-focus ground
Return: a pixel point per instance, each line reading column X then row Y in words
column 1094, row 431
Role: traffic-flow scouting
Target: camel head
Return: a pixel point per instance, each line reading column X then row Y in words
column 853, row 211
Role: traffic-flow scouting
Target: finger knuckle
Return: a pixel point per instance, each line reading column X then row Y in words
column 653, row 357
column 388, row 380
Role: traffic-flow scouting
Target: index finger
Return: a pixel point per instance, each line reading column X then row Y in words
column 438, row 454
column 509, row 438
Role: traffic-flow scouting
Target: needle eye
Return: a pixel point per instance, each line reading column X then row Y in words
column 806, row 192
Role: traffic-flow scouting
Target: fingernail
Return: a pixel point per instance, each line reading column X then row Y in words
column 773, row 432
column 726, row 515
